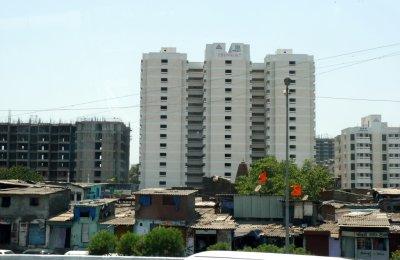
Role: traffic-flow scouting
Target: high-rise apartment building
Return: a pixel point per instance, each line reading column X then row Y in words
column 91, row 150
column 368, row 156
column 324, row 150
column 102, row 151
column 204, row 118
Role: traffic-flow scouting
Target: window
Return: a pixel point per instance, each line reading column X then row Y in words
column 383, row 147
column 292, row 90
column 228, row 109
column 163, row 126
column 164, row 89
column 163, row 164
column 5, row 202
column 78, row 196
column 163, row 136
column 292, row 146
column 228, row 62
column 228, row 72
column 292, row 109
column 228, row 118
column 383, row 137
column 292, row 137
column 164, row 71
column 227, row 164
column 163, row 108
column 227, row 174
column 384, row 167
column 163, row 154
column 168, row 200
column 164, row 98
column 228, row 127
column 292, row 156
column 384, row 157
column 163, row 145
column 352, row 156
column 228, row 99
column 85, row 233
column 292, row 118
column 164, row 80
column 163, row 117
column 228, row 136
column 228, row 155
column 352, row 167
column 292, row 72
column 352, row 137
column 292, row 100
column 228, row 90
column 34, row 201
column 292, row 128
column 164, row 61
column 228, row 146
column 352, row 147
column 228, row 81
column 162, row 183
column 162, row 174
column 292, row 62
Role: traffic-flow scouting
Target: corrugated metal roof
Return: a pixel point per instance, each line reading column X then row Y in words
column 210, row 220
column 364, row 219
column 32, row 190
column 63, row 217
column 332, row 227
column 387, row 191
column 95, row 202
column 160, row 191
column 268, row 230
column 124, row 215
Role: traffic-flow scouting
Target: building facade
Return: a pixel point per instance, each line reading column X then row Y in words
column 102, row 151
column 368, row 156
column 324, row 150
column 204, row 118
column 93, row 151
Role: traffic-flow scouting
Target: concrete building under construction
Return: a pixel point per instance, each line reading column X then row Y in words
column 87, row 150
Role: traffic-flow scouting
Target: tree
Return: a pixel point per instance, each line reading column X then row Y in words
column 102, row 243
column 220, row 246
column 20, row 173
column 134, row 173
column 311, row 177
column 128, row 244
column 395, row 255
column 162, row 241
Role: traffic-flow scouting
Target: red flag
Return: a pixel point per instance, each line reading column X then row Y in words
column 296, row 190
column 263, row 177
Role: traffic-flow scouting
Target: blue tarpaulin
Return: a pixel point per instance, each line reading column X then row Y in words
column 177, row 202
column 79, row 210
column 145, row 200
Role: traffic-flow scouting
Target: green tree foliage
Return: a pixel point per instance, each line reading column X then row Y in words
column 311, row 177
column 267, row 248
column 128, row 244
column 20, row 173
column 220, row 246
column 134, row 173
column 102, row 243
column 395, row 255
column 162, row 241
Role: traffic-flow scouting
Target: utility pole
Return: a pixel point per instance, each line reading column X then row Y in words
column 287, row 82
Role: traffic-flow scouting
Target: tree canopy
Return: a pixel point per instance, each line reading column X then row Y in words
column 162, row 241
column 312, row 178
column 102, row 243
column 20, row 173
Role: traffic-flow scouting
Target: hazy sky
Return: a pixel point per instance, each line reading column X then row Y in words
column 60, row 53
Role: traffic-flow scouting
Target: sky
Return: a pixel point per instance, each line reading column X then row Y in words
column 64, row 53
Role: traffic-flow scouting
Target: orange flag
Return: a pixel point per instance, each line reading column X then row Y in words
column 263, row 177
column 296, row 190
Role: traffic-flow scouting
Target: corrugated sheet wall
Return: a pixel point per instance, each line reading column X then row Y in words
column 258, row 206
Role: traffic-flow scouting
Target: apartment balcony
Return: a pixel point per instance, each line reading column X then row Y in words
column 195, row 127
column 197, row 154
column 393, row 170
column 257, row 109
column 363, row 160
column 195, row 136
column 195, row 118
column 363, row 180
column 363, row 150
column 258, row 145
column 259, row 119
column 258, row 154
column 363, row 170
column 196, row 91
column 191, row 171
column 366, row 140
column 198, row 164
column 257, row 92
column 258, row 137
column 196, row 109
column 195, row 145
